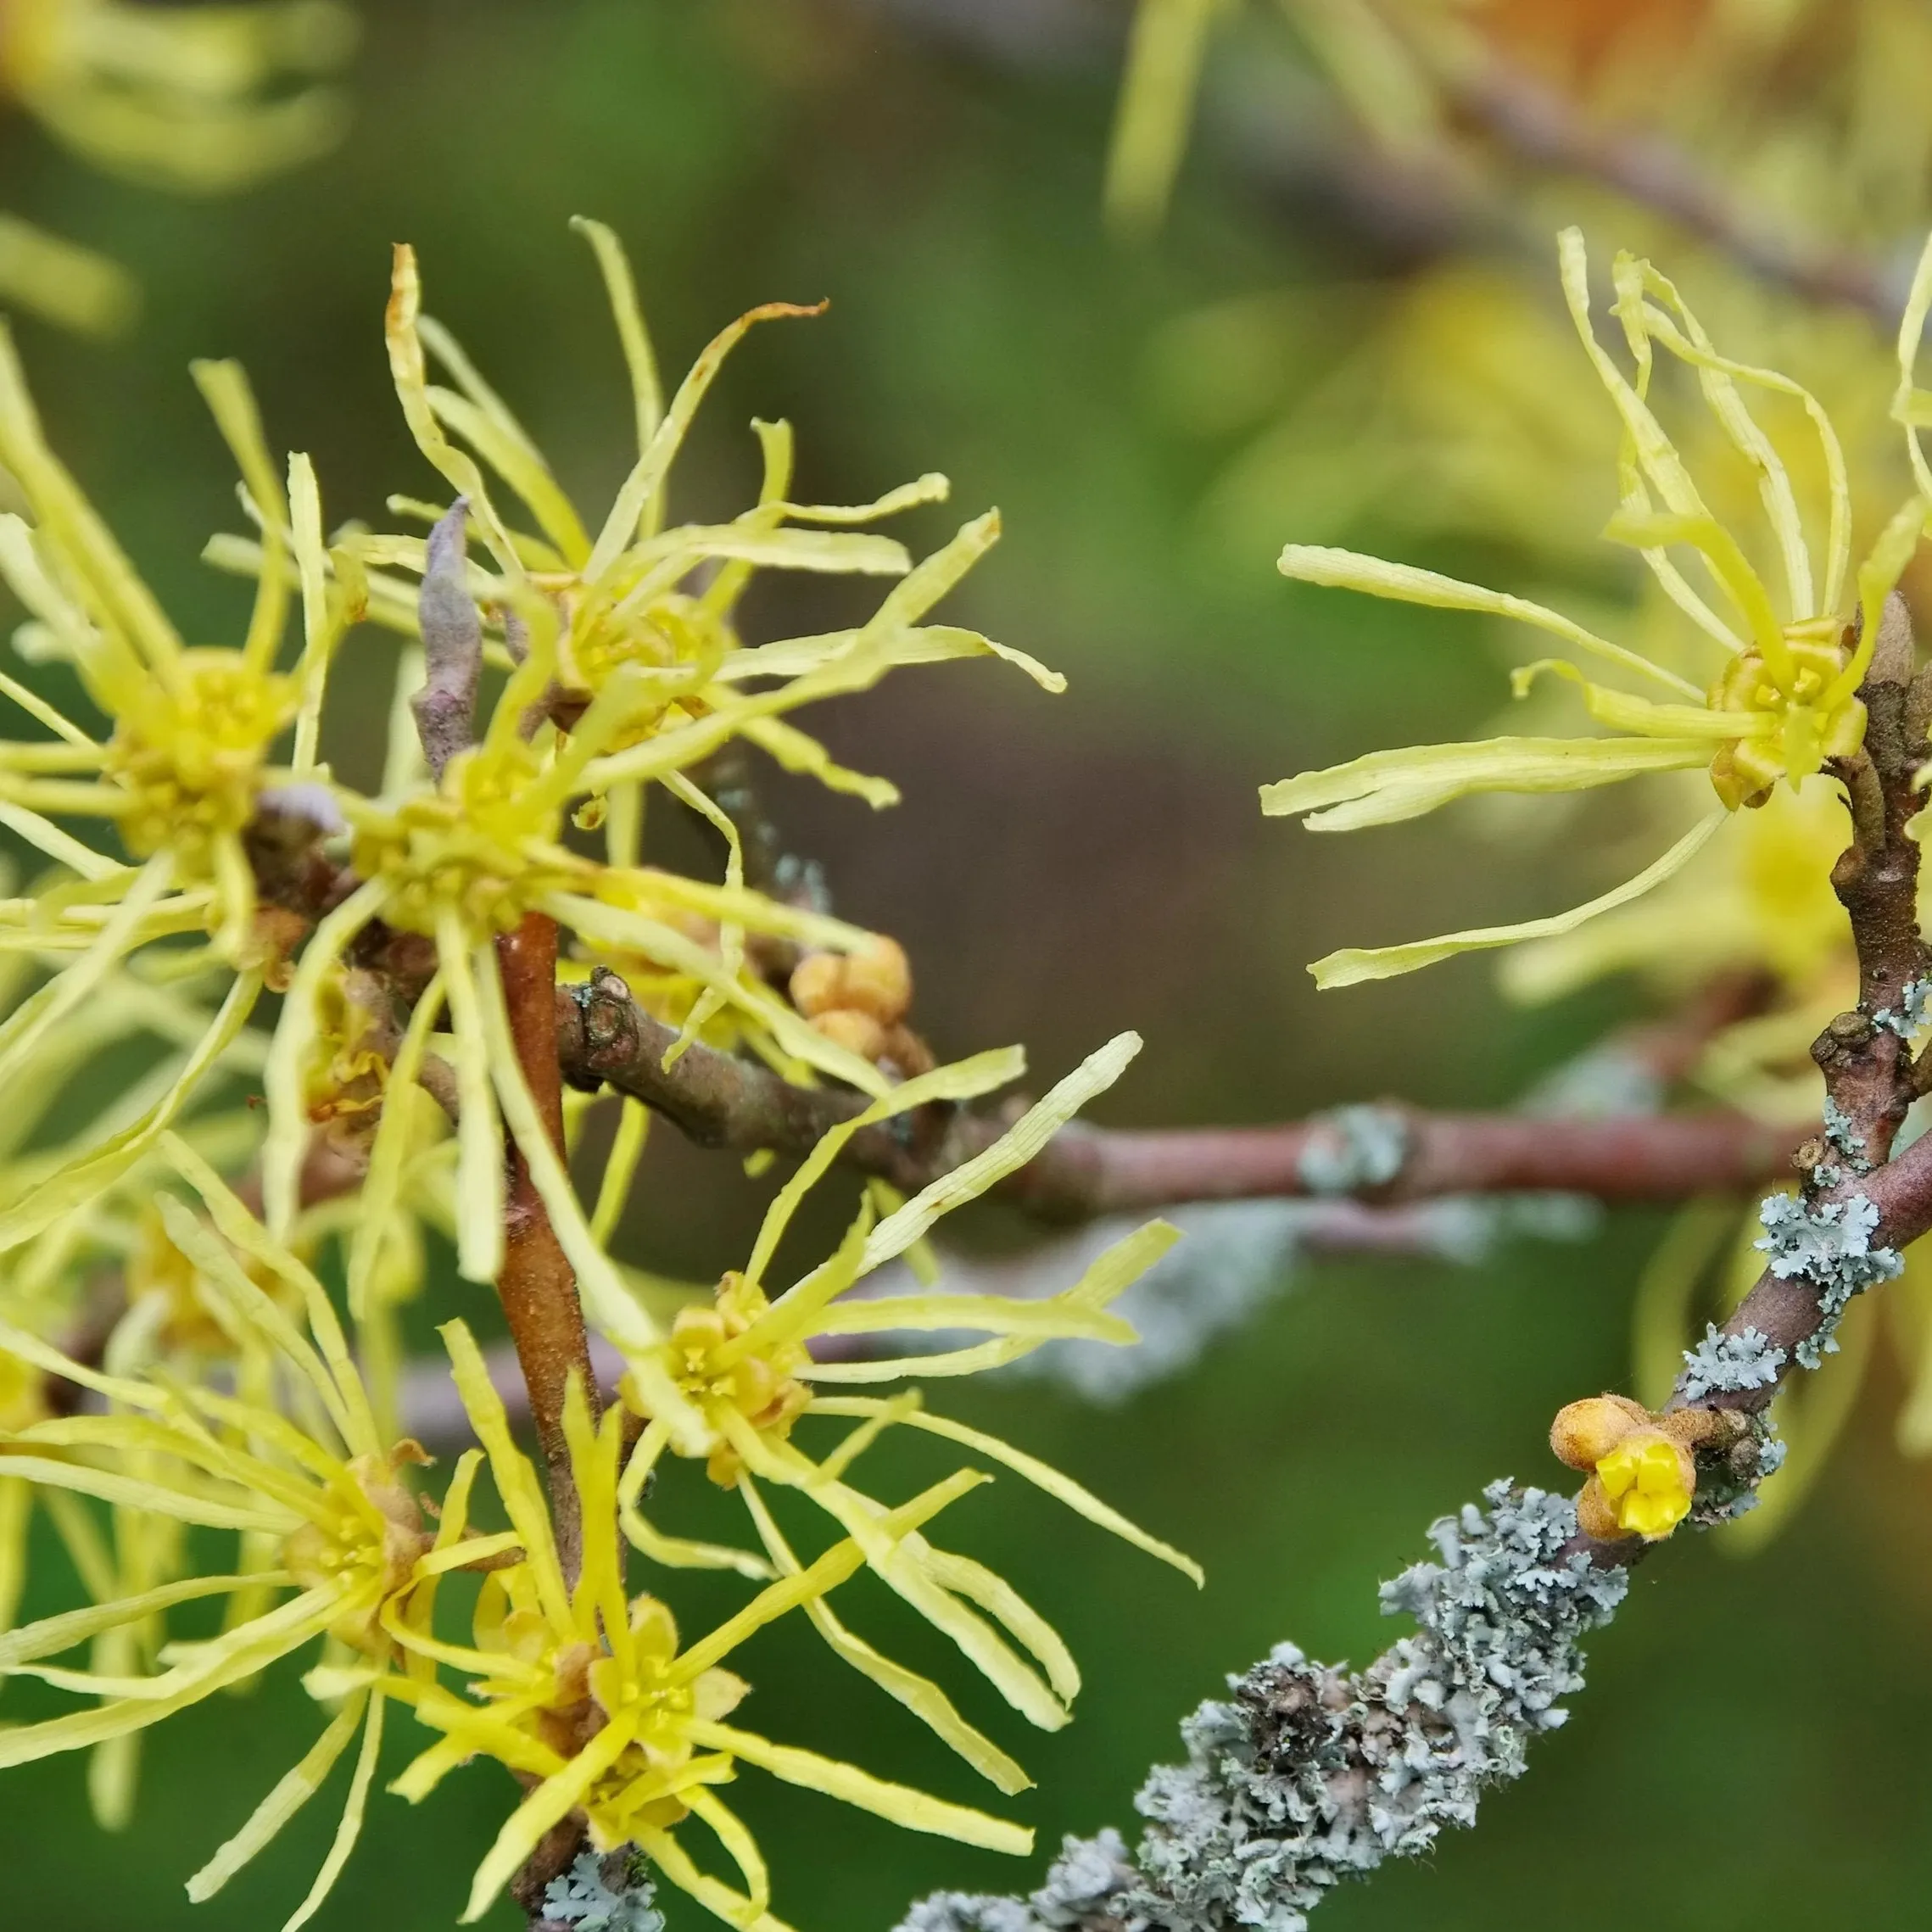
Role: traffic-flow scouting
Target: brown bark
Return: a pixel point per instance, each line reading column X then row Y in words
column 740, row 1105
column 537, row 1286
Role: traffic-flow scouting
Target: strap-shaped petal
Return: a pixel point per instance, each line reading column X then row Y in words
column 1353, row 964
column 1383, row 787
column 1404, row 583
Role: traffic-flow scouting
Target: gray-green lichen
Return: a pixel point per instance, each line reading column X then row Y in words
column 1310, row 1774
column 1829, row 1246
column 1350, row 1148
column 1914, row 1009
column 1728, row 1485
column 1729, row 1363
column 1841, row 1133
column 613, row 1893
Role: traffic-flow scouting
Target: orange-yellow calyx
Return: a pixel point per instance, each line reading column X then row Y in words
column 349, row 1070
column 859, row 1001
column 371, row 1542
column 1586, row 1432
column 1816, row 715
column 722, row 1383
column 1648, row 1481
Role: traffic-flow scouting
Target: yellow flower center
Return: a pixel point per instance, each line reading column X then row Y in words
column 761, row 1387
column 1807, row 729
column 632, row 1791
column 366, row 1539
column 1645, row 1478
column 192, row 755
column 482, row 846
column 669, row 631
column 348, row 1071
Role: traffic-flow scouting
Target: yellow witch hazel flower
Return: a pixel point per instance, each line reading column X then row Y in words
column 44, row 1288
column 184, row 98
column 742, row 1369
column 619, row 599
column 591, row 1699
column 1784, row 702
column 462, row 862
column 179, row 775
column 324, row 1494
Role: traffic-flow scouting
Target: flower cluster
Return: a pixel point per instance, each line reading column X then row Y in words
column 218, row 1435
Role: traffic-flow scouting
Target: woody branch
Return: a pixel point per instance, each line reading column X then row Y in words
column 1420, row 205
column 1859, row 1205
column 1389, row 1153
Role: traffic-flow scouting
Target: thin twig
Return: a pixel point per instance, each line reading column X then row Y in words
column 1543, row 125
column 537, row 1286
column 739, row 1105
column 1419, row 206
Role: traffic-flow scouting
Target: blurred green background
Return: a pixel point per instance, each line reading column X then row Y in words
column 1749, row 1750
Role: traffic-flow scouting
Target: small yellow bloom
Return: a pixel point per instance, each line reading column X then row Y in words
column 1650, row 1480
column 191, row 751
column 619, row 601
column 1784, row 702
column 592, row 1700
column 732, row 1381
column 462, row 861
column 180, row 771
column 326, row 1498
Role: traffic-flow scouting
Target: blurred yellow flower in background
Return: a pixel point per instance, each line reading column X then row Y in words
column 198, row 99
column 1783, row 702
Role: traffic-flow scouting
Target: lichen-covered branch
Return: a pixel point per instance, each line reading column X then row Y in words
column 1858, row 1208
column 1310, row 1774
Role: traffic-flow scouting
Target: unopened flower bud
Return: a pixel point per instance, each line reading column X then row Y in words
column 858, row 1032
column 1584, row 1433
column 818, row 984
column 1596, row 1515
column 878, row 979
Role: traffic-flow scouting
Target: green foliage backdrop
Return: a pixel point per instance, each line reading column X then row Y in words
column 1750, row 1747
